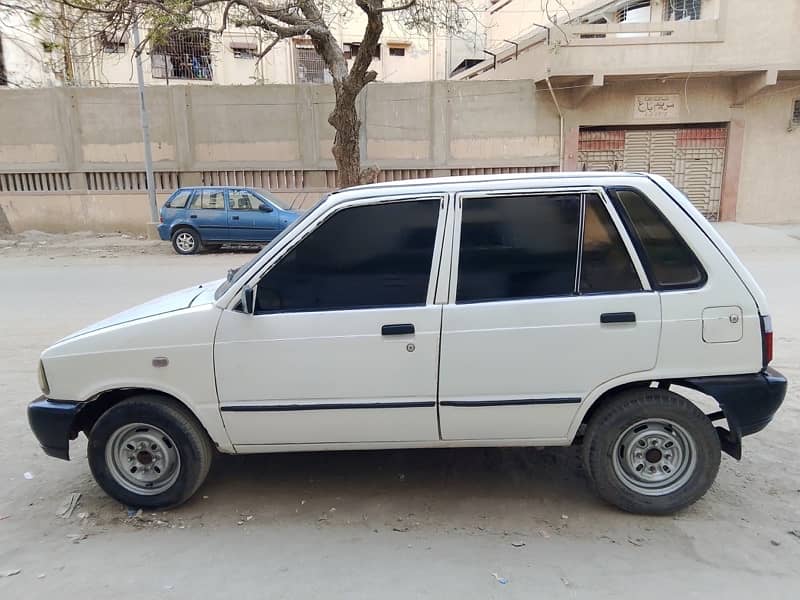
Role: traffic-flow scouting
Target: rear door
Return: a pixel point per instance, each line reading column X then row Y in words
column 547, row 301
column 208, row 215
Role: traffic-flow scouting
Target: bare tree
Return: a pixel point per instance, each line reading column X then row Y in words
column 287, row 19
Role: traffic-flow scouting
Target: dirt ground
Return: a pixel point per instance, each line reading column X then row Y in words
column 405, row 524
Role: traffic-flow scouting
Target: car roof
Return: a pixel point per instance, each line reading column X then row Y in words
column 218, row 187
column 478, row 183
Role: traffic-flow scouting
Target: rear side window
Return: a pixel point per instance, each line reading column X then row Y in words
column 180, row 199
column 606, row 266
column 518, row 247
column 668, row 260
column 361, row 257
column 209, row 199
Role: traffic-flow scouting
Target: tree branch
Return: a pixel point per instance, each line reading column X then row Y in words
column 405, row 6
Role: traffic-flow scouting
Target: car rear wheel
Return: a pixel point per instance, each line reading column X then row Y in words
column 651, row 451
column 186, row 241
column 150, row 452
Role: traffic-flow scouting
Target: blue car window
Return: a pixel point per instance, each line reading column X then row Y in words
column 209, row 199
column 180, row 199
column 243, row 200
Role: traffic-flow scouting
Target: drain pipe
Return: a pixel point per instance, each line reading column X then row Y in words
column 560, row 123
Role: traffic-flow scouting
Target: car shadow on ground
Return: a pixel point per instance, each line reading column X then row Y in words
column 453, row 486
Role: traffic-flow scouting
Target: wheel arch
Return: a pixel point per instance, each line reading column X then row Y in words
column 175, row 227
column 100, row 403
column 730, row 439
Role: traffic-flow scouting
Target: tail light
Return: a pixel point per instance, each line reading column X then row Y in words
column 766, row 339
column 161, row 218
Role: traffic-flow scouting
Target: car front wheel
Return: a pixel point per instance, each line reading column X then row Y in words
column 148, row 451
column 651, row 451
column 186, row 241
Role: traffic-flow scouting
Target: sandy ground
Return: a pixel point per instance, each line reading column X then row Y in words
column 410, row 524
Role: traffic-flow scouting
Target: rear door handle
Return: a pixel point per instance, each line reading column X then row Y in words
column 192, row 216
column 618, row 317
column 397, row 329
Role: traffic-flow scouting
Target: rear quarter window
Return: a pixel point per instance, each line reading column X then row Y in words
column 179, row 199
column 668, row 260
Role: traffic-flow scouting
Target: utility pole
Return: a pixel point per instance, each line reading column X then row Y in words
column 145, row 118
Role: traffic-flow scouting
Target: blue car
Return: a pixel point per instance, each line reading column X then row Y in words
column 194, row 218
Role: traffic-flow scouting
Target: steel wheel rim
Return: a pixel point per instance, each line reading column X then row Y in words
column 143, row 459
column 185, row 242
column 654, row 457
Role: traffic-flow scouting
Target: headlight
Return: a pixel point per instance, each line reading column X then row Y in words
column 43, row 385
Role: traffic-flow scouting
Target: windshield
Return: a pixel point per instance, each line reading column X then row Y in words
column 272, row 198
column 235, row 274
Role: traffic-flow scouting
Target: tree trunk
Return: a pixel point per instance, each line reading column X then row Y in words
column 344, row 119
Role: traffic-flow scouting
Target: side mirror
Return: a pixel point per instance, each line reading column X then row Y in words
column 265, row 208
column 248, row 300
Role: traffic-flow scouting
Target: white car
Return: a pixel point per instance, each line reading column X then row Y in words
column 529, row 310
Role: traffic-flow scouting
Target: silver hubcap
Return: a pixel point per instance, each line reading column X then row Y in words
column 654, row 457
column 143, row 459
column 185, row 242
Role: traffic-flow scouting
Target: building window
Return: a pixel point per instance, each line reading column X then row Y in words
column 114, row 47
column 682, row 10
column 397, row 50
column 637, row 11
column 351, row 49
column 3, row 76
column 184, row 54
column 796, row 112
column 244, row 50
column 309, row 66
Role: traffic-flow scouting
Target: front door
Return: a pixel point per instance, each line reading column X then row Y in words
column 207, row 214
column 549, row 302
column 344, row 344
column 250, row 219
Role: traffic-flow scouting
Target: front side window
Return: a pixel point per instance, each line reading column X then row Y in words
column 243, row 200
column 209, row 199
column 518, row 247
column 180, row 199
column 669, row 261
column 362, row 257
column 606, row 266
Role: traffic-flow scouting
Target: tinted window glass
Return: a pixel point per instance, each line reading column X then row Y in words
column 606, row 265
column 518, row 247
column 243, row 200
column 367, row 256
column 180, row 199
column 671, row 264
column 213, row 199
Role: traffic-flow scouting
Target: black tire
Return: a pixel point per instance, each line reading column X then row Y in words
column 186, row 240
column 189, row 439
column 636, row 419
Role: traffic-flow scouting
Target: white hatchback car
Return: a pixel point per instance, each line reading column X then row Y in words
column 479, row 311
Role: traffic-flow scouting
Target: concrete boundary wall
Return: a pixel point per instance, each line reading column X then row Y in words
column 71, row 158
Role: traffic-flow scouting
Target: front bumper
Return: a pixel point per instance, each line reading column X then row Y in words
column 53, row 424
column 748, row 402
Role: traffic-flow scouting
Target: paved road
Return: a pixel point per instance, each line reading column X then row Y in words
column 412, row 524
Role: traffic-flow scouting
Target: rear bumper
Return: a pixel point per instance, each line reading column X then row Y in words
column 163, row 231
column 749, row 402
column 52, row 422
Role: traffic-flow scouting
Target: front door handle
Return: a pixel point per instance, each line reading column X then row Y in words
column 235, row 218
column 618, row 317
column 398, row 329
